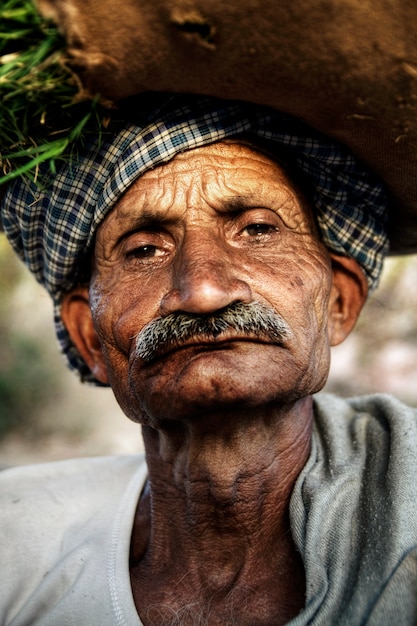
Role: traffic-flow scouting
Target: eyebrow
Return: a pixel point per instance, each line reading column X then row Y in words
column 147, row 220
column 149, row 217
column 237, row 204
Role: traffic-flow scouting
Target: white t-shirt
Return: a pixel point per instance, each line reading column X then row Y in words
column 64, row 542
column 66, row 527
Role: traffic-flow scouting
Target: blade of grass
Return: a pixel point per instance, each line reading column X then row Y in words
column 39, row 95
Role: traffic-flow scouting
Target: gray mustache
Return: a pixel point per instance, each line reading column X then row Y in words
column 166, row 333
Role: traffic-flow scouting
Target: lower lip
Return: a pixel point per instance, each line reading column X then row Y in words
column 213, row 347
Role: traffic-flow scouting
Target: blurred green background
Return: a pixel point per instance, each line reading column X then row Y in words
column 46, row 414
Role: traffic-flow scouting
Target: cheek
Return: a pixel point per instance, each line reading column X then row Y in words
column 297, row 284
column 315, row 305
column 297, row 278
column 121, row 307
column 320, row 283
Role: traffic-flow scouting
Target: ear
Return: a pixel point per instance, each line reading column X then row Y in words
column 348, row 295
column 76, row 315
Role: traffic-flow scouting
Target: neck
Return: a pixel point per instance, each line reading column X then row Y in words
column 212, row 528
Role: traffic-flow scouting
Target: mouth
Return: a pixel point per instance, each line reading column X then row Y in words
column 212, row 344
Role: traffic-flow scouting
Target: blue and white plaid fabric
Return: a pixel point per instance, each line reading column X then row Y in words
column 53, row 229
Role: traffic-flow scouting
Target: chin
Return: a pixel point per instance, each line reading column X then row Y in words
column 211, row 384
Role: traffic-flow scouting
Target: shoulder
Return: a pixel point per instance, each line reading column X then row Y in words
column 40, row 499
column 35, row 498
column 368, row 431
column 353, row 510
column 57, row 521
column 57, row 483
column 381, row 412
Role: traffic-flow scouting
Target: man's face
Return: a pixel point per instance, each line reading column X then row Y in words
column 216, row 225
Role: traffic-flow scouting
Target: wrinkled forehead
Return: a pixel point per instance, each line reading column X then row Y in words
column 229, row 175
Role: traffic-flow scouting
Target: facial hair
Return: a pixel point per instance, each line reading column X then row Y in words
column 252, row 320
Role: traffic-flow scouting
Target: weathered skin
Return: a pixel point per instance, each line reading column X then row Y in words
column 227, row 424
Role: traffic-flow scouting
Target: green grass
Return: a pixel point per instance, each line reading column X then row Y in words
column 41, row 115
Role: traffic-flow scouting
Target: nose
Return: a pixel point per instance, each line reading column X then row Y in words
column 205, row 279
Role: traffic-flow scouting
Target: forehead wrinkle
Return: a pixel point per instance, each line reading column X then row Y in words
column 294, row 214
column 277, row 195
column 143, row 201
column 245, row 180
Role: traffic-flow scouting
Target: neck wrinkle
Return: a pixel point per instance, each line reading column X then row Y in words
column 228, row 485
column 212, row 528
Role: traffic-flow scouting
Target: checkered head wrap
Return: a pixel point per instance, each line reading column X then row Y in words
column 52, row 228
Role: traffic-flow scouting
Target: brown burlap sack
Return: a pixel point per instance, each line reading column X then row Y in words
column 347, row 67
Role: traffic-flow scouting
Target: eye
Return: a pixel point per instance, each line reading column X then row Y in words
column 256, row 226
column 259, row 230
column 147, row 251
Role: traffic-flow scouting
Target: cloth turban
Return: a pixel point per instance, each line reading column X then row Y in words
column 52, row 228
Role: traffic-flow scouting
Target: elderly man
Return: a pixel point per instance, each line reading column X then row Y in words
column 202, row 260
